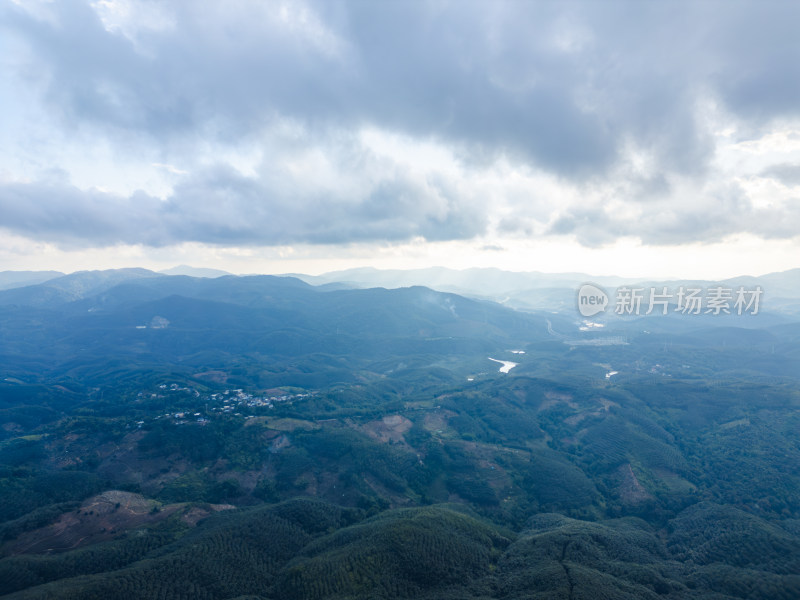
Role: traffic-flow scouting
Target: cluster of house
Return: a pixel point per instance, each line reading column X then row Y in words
column 225, row 402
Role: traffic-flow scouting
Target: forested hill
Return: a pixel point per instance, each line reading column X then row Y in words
column 258, row 437
column 272, row 326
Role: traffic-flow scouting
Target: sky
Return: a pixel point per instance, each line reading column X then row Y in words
column 607, row 137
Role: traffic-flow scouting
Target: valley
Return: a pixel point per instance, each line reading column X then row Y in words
column 341, row 442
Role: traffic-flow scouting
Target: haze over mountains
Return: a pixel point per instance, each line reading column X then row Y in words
column 518, row 289
column 280, row 320
column 12, row 279
column 536, row 289
column 111, row 313
column 260, row 437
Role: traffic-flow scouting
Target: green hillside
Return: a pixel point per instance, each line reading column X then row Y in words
column 172, row 437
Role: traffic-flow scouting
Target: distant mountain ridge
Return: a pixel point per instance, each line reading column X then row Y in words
column 519, row 290
column 15, row 279
column 195, row 272
column 540, row 291
column 319, row 333
column 74, row 286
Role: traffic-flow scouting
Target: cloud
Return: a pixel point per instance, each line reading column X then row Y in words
column 221, row 206
column 58, row 212
column 584, row 119
column 721, row 212
column 559, row 87
column 787, row 173
column 170, row 169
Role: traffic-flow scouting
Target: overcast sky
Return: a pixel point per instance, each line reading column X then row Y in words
column 631, row 138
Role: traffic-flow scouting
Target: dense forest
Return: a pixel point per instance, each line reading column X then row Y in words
column 263, row 438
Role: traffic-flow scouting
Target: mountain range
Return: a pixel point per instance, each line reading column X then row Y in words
column 260, row 437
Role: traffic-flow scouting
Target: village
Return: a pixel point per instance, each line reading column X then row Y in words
column 186, row 404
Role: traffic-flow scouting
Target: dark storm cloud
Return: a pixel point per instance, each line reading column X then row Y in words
column 562, row 88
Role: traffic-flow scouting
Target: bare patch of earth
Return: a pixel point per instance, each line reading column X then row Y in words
column 388, row 429
column 103, row 518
